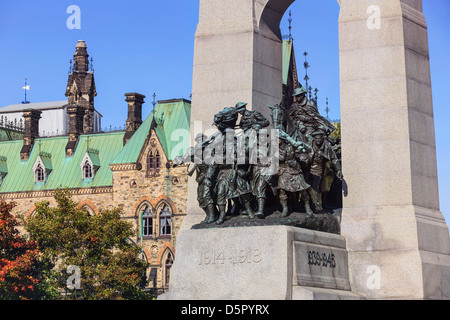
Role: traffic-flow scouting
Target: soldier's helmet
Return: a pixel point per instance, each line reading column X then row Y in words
column 319, row 131
column 299, row 91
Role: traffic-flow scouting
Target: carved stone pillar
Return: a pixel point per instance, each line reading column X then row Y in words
column 397, row 238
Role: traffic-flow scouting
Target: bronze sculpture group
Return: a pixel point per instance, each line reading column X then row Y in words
column 234, row 169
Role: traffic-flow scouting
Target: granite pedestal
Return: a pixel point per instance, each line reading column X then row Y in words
column 259, row 263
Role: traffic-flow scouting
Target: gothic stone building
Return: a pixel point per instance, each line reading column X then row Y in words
column 128, row 169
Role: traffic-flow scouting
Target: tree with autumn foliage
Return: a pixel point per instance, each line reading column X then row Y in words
column 18, row 259
column 110, row 264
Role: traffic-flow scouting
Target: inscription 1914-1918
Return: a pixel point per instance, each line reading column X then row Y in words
column 321, row 259
column 233, row 257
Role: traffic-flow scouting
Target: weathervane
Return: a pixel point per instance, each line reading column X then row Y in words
column 26, row 87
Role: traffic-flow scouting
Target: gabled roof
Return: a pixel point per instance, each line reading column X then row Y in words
column 104, row 149
column 66, row 171
column 173, row 131
column 93, row 156
column 45, row 159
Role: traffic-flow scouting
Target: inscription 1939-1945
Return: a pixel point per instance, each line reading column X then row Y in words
column 232, row 257
column 321, row 259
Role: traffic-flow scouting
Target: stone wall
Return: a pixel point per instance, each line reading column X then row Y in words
column 133, row 189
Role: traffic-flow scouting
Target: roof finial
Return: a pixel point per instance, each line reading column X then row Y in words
column 327, row 110
column 290, row 25
column 154, row 100
column 26, row 87
column 306, row 65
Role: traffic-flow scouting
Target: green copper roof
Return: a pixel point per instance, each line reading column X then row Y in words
column 3, row 166
column 7, row 134
column 172, row 119
column 287, row 53
column 65, row 171
column 94, row 156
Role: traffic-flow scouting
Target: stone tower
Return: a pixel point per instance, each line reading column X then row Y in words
column 81, row 86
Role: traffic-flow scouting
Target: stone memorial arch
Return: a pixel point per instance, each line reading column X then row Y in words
column 396, row 237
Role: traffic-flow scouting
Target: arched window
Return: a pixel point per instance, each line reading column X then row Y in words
column 158, row 160
column 165, row 223
column 167, row 267
column 39, row 173
column 89, row 210
column 88, row 173
column 146, row 222
column 90, row 164
column 150, row 161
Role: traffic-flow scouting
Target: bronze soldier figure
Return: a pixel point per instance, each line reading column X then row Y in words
column 324, row 164
column 291, row 178
column 203, row 178
column 304, row 112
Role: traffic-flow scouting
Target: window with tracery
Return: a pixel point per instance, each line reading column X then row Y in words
column 158, row 161
column 165, row 221
column 150, row 161
column 88, row 172
column 167, row 268
column 147, row 221
column 39, row 173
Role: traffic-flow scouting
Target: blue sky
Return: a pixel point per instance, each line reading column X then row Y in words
column 147, row 47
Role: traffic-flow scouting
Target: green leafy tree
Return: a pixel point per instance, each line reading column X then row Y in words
column 18, row 259
column 110, row 264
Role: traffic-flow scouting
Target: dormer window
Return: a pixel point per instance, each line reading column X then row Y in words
column 42, row 167
column 90, row 164
column 39, row 173
column 88, row 172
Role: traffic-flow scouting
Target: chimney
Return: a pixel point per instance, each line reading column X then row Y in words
column 75, row 124
column 134, row 120
column 31, row 118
